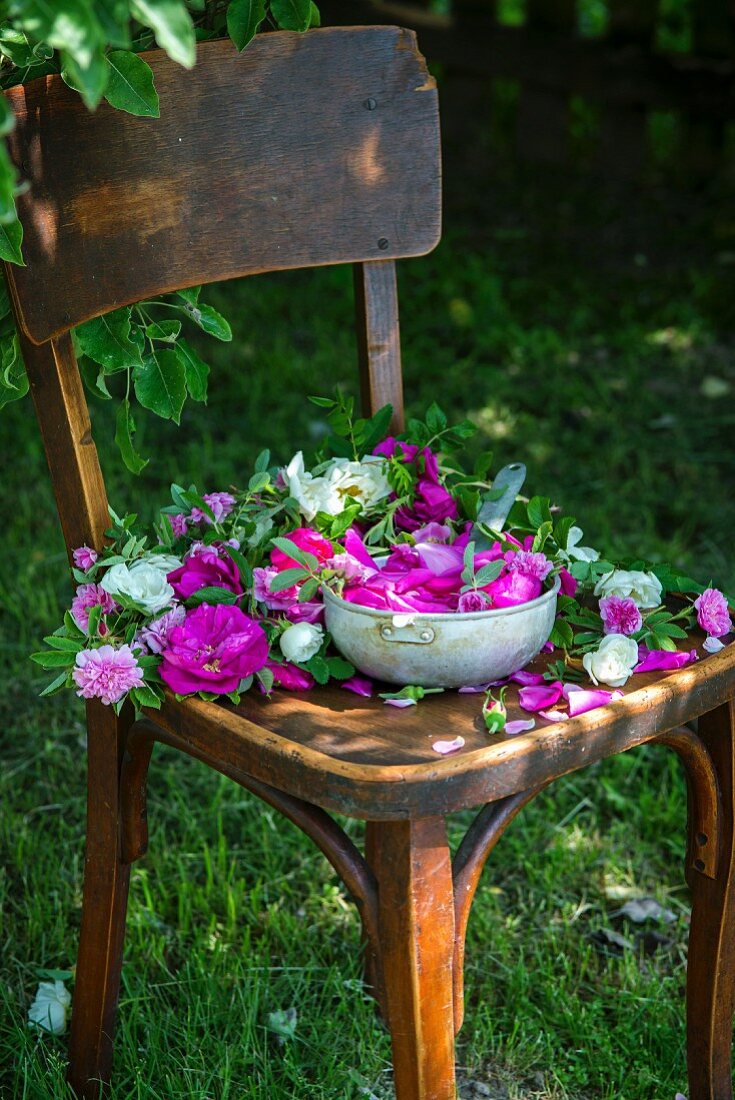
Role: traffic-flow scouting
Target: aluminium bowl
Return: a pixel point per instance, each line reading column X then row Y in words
column 440, row 650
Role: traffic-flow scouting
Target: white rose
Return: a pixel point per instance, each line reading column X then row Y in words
column 314, row 494
column 165, row 562
column 644, row 588
column 613, row 661
column 574, row 551
column 50, row 1007
column 364, row 481
column 142, row 583
column 301, row 641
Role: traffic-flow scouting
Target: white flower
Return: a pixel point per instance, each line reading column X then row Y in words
column 342, row 481
column 575, row 552
column 165, row 562
column 301, row 641
column 143, row 584
column 50, row 1007
column 613, row 661
column 644, row 588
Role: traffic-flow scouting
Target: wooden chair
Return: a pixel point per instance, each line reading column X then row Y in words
column 305, row 151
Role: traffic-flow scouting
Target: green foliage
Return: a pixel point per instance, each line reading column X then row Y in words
column 96, row 46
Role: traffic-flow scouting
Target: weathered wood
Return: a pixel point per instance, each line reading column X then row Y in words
column 711, row 962
column 106, row 879
column 301, row 151
column 378, row 339
column 416, row 910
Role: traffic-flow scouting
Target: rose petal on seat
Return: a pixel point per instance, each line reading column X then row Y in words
column 662, row 660
column 360, row 685
column 520, row 725
column 540, row 696
column 445, row 747
column 554, row 715
column 527, row 679
column 400, row 703
column 712, row 644
column 581, row 700
column 477, row 689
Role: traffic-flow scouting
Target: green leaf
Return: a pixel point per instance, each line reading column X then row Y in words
column 166, row 331
column 11, row 239
column 266, row 677
column 94, row 378
column 308, row 589
column 539, row 511
column 339, row 669
column 561, row 636
column 130, row 86
column 213, row 596
column 89, row 79
column 196, row 371
column 114, row 16
column 436, row 420
column 54, row 658
column 13, row 377
column 315, row 19
column 147, row 696
column 58, row 641
column 171, row 24
column 190, row 294
column 287, row 578
column 107, row 340
column 160, row 385
column 489, row 573
column 292, row 15
column 124, row 432
column 56, row 684
column 210, row 321
column 243, row 19
column 71, row 26
column 303, row 557
column 318, row 667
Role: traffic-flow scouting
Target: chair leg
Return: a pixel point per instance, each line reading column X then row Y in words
column 104, row 906
column 711, row 966
column 416, row 914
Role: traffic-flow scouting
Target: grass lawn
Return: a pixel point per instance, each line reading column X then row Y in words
column 602, row 357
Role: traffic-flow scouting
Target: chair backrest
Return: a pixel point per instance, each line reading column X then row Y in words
column 304, row 150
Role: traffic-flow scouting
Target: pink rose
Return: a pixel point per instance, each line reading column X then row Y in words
column 620, row 616
column 713, row 614
column 307, row 540
column 214, row 649
column 87, row 597
column 205, row 567
column 84, row 558
column 221, row 505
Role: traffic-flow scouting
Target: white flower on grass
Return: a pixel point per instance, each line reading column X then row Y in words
column 575, row 552
column 613, row 661
column 143, row 584
column 301, row 641
column 50, row 1007
column 644, row 589
column 343, row 480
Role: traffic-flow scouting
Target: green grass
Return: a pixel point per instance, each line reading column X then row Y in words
column 601, row 356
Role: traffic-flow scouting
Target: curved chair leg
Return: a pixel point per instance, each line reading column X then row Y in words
column 416, row 919
column 711, row 967
column 106, row 880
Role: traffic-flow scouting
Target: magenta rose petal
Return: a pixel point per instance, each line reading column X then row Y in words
column 445, row 747
column 527, row 679
column 359, row 685
column 662, row 660
column 400, row 703
column 520, row 725
column 554, row 715
column 540, row 697
column 581, row 700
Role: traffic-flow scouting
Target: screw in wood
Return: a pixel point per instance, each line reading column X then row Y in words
column 370, row 104
column 383, row 244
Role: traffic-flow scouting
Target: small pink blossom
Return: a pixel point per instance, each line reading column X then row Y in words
column 84, row 558
column 540, row 697
column 527, row 564
column 713, row 614
column 106, row 673
column 433, row 532
column 349, row 568
column 473, row 601
column 155, row 636
column 179, row 524
column 620, row 616
column 221, row 505
column 87, row 597
column 360, row 685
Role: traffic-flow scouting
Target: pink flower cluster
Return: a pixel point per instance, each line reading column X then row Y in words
column 87, row 597
column 432, row 502
column 620, row 616
column 106, row 673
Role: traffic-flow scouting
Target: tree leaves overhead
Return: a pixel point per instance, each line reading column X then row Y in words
column 160, row 384
column 107, row 341
column 292, row 15
column 130, row 85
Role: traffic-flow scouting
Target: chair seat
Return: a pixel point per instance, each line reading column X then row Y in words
column 359, row 757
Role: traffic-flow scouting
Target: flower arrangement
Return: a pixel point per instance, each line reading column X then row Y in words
column 229, row 593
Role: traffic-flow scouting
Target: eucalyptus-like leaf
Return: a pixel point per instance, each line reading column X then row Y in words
column 130, row 85
column 160, row 385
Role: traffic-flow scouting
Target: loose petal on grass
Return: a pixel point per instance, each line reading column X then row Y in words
column 712, row 645
column 445, row 747
column 540, row 697
column 520, row 725
column 662, row 660
column 360, row 685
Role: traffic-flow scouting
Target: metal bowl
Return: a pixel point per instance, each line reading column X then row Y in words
column 442, row 650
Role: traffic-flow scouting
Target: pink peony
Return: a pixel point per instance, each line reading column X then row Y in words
column 527, row 564
column 221, row 505
column 87, row 597
column 620, row 616
column 473, row 600
column 84, row 558
column 214, row 649
column 311, row 542
column 432, row 504
column 713, row 614
column 179, row 523
column 155, row 636
column 205, row 567
column 106, row 673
